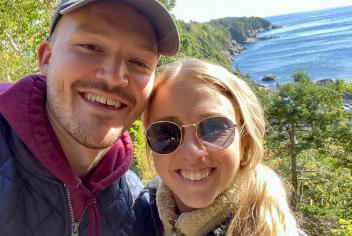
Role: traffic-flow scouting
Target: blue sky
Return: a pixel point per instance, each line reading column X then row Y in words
column 204, row 10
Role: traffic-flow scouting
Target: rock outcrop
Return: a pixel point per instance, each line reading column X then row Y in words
column 269, row 77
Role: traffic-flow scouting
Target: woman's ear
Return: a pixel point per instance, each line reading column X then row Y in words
column 244, row 150
column 242, row 146
column 44, row 55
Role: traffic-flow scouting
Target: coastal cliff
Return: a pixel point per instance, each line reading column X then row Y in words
column 243, row 30
column 221, row 39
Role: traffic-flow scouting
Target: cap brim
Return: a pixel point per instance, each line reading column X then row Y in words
column 156, row 13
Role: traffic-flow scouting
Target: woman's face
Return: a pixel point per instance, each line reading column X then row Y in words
column 196, row 174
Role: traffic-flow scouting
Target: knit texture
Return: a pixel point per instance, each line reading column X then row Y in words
column 199, row 221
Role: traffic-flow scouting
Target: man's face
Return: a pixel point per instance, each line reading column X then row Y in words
column 100, row 71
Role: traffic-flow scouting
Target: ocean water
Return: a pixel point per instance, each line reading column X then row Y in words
column 319, row 42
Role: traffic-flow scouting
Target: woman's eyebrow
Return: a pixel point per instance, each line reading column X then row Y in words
column 169, row 118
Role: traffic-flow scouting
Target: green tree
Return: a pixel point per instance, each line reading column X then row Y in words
column 241, row 27
column 304, row 115
column 23, row 25
column 169, row 4
column 141, row 164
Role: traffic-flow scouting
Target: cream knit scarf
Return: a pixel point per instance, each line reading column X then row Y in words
column 199, row 221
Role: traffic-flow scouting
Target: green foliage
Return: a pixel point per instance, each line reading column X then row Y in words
column 307, row 122
column 210, row 41
column 23, row 25
column 169, row 4
column 141, row 165
column 345, row 228
column 300, row 76
column 332, row 183
column 241, row 27
column 204, row 41
column 313, row 112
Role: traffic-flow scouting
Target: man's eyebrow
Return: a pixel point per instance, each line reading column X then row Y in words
column 147, row 48
column 88, row 29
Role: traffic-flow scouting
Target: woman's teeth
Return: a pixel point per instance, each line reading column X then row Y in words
column 195, row 175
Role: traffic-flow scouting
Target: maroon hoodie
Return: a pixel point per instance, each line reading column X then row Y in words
column 23, row 106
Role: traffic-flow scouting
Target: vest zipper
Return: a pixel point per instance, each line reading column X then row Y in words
column 74, row 224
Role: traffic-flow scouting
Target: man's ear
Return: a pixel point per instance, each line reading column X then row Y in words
column 44, row 55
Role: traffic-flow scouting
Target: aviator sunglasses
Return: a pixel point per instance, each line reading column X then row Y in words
column 216, row 132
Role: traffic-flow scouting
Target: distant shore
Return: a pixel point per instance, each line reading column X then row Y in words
column 251, row 37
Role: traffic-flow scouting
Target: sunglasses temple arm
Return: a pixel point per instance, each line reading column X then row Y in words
column 228, row 137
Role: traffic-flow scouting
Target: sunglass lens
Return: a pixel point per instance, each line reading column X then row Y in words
column 216, row 132
column 163, row 137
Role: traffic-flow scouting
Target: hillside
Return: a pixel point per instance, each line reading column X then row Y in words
column 221, row 39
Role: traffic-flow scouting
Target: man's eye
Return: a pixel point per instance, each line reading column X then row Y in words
column 90, row 47
column 139, row 63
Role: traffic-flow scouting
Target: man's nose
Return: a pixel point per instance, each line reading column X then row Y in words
column 114, row 71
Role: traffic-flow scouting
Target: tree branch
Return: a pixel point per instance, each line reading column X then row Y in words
column 13, row 44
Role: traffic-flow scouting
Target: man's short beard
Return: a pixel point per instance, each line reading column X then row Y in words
column 89, row 141
column 81, row 134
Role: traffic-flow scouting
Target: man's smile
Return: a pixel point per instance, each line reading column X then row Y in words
column 103, row 100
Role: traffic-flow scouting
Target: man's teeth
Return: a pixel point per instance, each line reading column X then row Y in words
column 195, row 175
column 102, row 100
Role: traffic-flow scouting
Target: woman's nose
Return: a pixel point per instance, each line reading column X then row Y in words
column 191, row 147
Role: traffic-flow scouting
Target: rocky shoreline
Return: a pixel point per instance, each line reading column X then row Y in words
column 251, row 36
column 233, row 50
column 347, row 102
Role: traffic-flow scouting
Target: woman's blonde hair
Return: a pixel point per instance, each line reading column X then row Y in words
column 263, row 208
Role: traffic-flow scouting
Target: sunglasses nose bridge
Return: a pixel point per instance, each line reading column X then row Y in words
column 188, row 125
column 195, row 132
